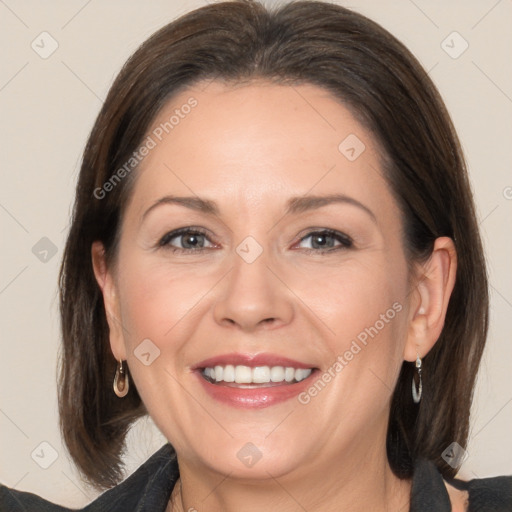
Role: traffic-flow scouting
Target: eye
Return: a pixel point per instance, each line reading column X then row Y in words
column 325, row 240
column 186, row 240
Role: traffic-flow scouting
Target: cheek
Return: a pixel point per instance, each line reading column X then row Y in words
column 159, row 301
column 160, row 309
column 366, row 312
column 363, row 306
column 360, row 299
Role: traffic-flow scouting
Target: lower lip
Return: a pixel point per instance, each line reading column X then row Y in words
column 254, row 398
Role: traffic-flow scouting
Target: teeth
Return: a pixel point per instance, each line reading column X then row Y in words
column 243, row 375
column 257, row 375
column 277, row 374
column 261, row 374
column 301, row 374
column 289, row 374
column 229, row 373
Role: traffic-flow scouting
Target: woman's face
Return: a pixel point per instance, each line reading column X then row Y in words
column 266, row 336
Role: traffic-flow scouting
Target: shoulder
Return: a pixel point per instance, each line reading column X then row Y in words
column 493, row 494
column 147, row 489
column 431, row 492
column 19, row 501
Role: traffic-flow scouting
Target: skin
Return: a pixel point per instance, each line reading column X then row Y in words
column 250, row 148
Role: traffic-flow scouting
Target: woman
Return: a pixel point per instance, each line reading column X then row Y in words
column 274, row 253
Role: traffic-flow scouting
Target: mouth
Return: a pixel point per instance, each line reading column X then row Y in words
column 245, row 377
column 253, row 381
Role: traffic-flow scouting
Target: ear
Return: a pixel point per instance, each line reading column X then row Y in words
column 435, row 282
column 106, row 281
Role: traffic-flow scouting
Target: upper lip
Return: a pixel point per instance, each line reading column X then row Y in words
column 251, row 360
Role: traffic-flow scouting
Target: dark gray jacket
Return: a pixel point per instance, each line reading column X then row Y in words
column 149, row 488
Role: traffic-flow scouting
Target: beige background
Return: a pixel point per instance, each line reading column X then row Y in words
column 47, row 109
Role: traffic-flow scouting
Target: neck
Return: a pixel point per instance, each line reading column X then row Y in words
column 355, row 480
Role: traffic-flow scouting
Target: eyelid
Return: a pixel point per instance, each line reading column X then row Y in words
column 182, row 231
column 346, row 242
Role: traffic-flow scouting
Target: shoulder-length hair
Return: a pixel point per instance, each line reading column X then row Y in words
column 380, row 81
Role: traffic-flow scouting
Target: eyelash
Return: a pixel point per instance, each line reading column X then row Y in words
column 165, row 240
column 344, row 240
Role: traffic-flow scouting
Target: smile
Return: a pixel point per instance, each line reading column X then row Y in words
column 253, row 380
column 247, row 377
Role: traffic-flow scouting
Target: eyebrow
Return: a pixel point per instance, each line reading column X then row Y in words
column 193, row 203
column 307, row 203
column 294, row 205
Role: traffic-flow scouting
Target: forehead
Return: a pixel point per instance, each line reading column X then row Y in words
column 257, row 144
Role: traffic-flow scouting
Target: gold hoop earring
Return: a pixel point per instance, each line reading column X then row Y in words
column 121, row 382
column 416, row 394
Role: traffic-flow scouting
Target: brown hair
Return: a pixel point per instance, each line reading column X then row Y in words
column 372, row 73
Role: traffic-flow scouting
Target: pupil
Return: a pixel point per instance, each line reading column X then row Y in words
column 320, row 240
column 191, row 241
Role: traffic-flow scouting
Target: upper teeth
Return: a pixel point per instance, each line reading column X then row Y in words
column 257, row 375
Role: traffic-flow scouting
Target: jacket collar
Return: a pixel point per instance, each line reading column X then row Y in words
column 428, row 490
column 156, row 478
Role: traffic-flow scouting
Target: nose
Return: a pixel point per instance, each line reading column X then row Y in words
column 253, row 296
